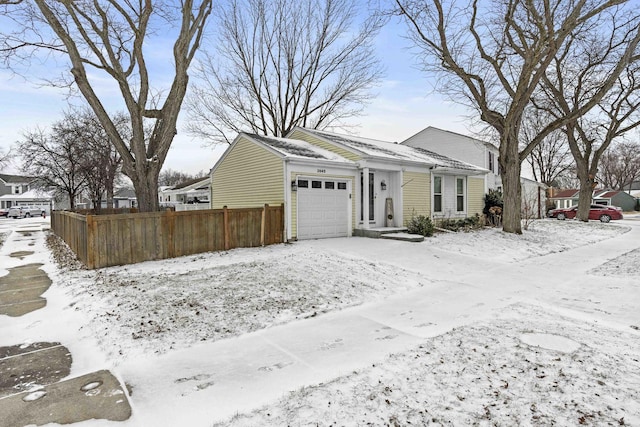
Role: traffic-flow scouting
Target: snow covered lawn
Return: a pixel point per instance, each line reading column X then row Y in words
column 526, row 365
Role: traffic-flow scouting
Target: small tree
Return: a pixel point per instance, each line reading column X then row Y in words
column 56, row 160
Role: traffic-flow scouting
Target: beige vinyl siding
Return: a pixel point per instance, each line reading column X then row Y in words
column 416, row 195
column 475, row 196
column 248, row 176
column 297, row 134
column 294, row 200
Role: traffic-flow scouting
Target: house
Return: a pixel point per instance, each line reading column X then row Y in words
column 336, row 185
column 565, row 198
column 34, row 197
column 455, row 145
column 621, row 199
column 482, row 154
column 192, row 192
column 625, row 201
column 13, row 185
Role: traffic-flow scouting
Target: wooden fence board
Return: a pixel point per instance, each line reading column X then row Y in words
column 106, row 240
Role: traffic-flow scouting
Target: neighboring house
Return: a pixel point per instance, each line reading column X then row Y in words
column 567, row 198
column 471, row 150
column 13, row 185
column 621, row 199
column 337, row 185
column 193, row 191
column 34, row 197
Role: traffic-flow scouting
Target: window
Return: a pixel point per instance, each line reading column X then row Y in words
column 303, row 183
column 316, row 184
column 329, row 185
column 342, row 186
column 437, row 194
column 460, row 195
column 491, row 161
column 372, row 195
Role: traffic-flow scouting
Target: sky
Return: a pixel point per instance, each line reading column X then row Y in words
column 404, row 103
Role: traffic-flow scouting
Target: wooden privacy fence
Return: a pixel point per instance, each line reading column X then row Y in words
column 106, row 240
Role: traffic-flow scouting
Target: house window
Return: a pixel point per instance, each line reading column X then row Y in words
column 372, row 195
column 491, row 161
column 437, row 194
column 460, row 195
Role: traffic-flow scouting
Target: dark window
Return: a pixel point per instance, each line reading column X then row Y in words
column 329, row 185
column 342, row 186
column 316, row 184
column 437, row 194
column 303, row 183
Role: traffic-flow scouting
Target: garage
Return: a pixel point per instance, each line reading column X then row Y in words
column 323, row 208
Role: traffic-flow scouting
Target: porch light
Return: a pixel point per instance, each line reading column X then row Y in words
column 294, row 185
column 383, row 185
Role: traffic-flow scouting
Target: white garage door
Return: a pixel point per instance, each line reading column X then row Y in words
column 323, row 208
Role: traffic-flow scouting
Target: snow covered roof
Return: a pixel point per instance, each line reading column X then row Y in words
column 33, row 194
column 295, row 148
column 390, row 150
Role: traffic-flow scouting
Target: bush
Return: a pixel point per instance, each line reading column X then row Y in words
column 420, row 225
column 464, row 224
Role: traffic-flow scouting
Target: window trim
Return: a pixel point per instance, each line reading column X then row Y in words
column 441, row 178
column 463, row 195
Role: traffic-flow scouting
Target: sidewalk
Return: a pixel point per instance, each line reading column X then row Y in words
column 39, row 384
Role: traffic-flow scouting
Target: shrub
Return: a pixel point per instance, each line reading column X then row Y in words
column 420, row 225
column 464, row 224
column 491, row 199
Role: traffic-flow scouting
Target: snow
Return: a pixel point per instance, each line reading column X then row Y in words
column 480, row 328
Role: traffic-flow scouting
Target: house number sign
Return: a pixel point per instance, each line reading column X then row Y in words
column 321, row 170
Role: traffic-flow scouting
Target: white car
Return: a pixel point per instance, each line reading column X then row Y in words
column 25, row 211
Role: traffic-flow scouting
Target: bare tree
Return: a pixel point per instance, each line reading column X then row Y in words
column 281, row 64
column 101, row 162
column 171, row 177
column 5, row 156
column 110, row 39
column 56, row 160
column 620, row 166
column 571, row 83
column 551, row 158
column 492, row 56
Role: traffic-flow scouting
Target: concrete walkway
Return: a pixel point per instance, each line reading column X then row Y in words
column 236, row 375
column 36, row 384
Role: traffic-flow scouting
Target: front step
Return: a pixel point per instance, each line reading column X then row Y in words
column 406, row 237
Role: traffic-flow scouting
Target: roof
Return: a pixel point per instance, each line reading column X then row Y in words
column 189, row 182
column 15, row 178
column 33, row 194
column 391, row 150
column 566, row 194
column 607, row 195
column 295, row 148
column 125, row 193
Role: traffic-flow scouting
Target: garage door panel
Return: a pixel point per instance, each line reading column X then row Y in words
column 323, row 211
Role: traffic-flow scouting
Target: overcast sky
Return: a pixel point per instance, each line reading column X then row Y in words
column 404, row 104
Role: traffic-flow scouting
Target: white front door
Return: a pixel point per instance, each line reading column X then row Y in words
column 323, row 208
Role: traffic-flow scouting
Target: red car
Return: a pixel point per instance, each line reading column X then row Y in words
column 601, row 212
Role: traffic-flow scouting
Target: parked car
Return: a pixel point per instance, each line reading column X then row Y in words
column 25, row 211
column 4, row 212
column 601, row 212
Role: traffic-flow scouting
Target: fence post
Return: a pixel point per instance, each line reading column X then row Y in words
column 263, row 230
column 91, row 239
column 227, row 230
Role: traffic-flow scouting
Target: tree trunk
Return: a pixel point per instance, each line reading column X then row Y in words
column 511, row 190
column 146, row 187
column 587, row 184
